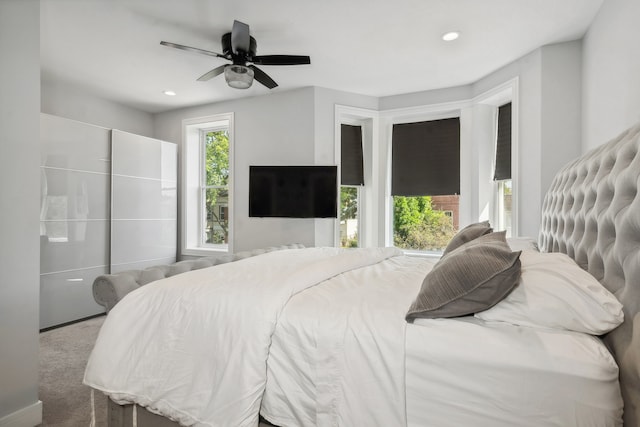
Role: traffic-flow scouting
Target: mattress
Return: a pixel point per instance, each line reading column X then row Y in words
column 463, row 372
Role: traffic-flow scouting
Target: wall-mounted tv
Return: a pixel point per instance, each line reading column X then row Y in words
column 293, row 191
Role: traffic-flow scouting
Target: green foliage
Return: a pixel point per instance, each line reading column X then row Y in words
column 217, row 155
column 418, row 226
column 217, row 174
column 348, row 211
column 349, row 242
column 348, row 202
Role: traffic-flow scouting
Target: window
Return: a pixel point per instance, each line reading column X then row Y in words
column 351, row 179
column 425, row 183
column 502, row 172
column 207, row 173
column 215, row 186
column 349, row 197
column 504, row 206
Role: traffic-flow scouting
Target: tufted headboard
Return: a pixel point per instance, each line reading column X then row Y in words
column 592, row 213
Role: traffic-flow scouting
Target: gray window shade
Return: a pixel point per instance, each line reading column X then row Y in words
column 425, row 158
column 351, row 164
column 503, row 144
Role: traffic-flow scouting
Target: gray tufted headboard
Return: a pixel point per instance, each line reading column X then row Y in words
column 592, row 213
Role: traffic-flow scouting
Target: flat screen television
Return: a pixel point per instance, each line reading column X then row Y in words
column 293, row 191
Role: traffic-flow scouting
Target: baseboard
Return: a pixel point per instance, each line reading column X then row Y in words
column 29, row 416
column 48, row 328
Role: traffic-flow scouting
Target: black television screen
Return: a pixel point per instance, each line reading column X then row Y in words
column 293, row 191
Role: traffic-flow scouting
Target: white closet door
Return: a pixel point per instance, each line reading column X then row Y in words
column 74, row 217
column 144, row 207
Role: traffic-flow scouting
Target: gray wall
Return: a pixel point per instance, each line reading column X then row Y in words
column 561, row 118
column 19, row 231
column 283, row 128
column 549, row 125
column 68, row 101
column 611, row 72
column 273, row 129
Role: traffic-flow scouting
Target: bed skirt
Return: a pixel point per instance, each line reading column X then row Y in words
column 122, row 416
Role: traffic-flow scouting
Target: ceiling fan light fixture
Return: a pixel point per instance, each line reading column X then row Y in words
column 238, row 76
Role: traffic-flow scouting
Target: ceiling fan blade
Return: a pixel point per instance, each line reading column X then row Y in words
column 211, row 74
column 192, row 49
column 281, row 60
column 262, row 77
column 240, row 38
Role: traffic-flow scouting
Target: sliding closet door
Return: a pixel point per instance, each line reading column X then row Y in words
column 143, row 201
column 74, row 217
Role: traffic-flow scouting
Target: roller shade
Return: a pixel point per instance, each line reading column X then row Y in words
column 503, row 144
column 425, row 158
column 351, row 163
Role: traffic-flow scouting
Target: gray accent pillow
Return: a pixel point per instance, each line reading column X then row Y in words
column 472, row 278
column 467, row 234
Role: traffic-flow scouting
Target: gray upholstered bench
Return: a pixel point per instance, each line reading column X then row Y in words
column 108, row 289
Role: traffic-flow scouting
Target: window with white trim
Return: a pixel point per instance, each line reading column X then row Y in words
column 425, row 183
column 351, row 180
column 207, row 172
column 214, row 187
column 502, row 171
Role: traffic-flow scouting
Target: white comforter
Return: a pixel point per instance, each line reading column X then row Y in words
column 194, row 347
column 338, row 352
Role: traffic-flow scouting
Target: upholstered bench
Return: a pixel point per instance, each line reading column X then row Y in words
column 108, row 289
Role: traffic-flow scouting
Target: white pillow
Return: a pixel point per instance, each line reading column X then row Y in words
column 554, row 292
column 522, row 243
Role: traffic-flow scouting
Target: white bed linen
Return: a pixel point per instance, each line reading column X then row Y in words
column 338, row 359
column 201, row 344
column 193, row 347
column 337, row 353
column 468, row 372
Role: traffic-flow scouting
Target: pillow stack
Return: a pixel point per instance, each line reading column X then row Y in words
column 478, row 269
column 467, row 234
column 480, row 274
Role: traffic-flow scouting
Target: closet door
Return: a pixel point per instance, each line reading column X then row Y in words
column 143, row 201
column 74, row 217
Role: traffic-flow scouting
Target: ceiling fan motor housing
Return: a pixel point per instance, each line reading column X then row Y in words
column 227, row 50
column 241, row 73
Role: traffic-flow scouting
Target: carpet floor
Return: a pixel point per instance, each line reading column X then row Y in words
column 64, row 352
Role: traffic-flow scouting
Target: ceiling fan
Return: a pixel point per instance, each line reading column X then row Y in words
column 239, row 47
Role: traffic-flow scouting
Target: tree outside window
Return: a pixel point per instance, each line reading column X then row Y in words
column 216, row 187
column 348, row 217
column 418, row 225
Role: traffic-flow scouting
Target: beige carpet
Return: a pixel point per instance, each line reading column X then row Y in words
column 63, row 357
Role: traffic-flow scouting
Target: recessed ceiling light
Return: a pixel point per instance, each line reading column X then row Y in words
column 450, row 36
column 169, row 93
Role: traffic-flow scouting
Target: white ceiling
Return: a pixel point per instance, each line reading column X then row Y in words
column 111, row 48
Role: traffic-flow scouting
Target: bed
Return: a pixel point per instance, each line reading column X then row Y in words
column 319, row 336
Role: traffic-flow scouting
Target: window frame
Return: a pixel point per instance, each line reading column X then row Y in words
column 193, row 210
column 499, row 217
column 423, row 114
column 494, row 98
column 367, row 119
